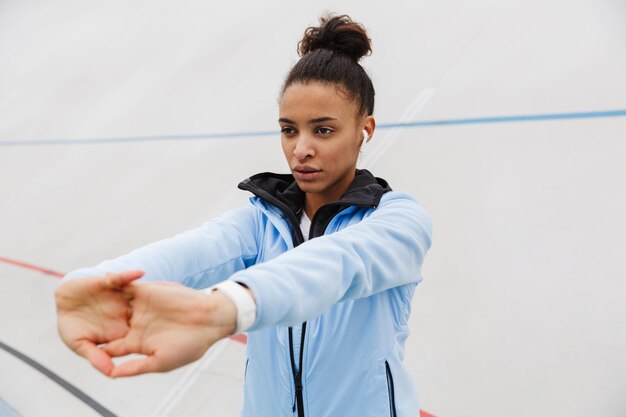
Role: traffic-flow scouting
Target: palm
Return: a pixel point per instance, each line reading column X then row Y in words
column 92, row 311
column 98, row 319
column 171, row 325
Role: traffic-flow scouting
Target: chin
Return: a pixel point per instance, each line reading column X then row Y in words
column 310, row 186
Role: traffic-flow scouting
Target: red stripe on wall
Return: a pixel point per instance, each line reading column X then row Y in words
column 32, row 267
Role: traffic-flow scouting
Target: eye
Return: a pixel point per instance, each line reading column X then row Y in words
column 287, row 130
column 324, row 130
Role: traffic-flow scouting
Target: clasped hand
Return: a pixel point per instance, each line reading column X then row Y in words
column 101, row 318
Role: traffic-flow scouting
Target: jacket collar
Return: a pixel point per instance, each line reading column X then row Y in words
column 365, row 190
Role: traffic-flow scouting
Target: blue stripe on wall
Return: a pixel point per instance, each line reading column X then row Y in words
column 261, row 133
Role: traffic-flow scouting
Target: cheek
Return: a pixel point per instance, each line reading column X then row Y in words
column 286, row 148
column 345, row 154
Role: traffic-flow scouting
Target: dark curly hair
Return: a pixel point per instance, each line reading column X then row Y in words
column 330, row 53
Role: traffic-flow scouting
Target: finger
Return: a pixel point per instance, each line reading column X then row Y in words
column 97, row 357
column 116, row 348
column 119, row 279
column 137, row 367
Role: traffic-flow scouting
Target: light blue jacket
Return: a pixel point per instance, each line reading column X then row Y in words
column 352, row 286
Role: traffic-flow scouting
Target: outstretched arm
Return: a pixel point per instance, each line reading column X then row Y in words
column 94, row 309
column 384, row 250
column 174, row 325
column 196, row 258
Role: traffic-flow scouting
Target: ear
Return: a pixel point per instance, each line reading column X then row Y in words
column 369, row 126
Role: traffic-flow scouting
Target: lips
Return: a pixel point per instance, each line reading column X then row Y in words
column 305, row 168
column 304, row 172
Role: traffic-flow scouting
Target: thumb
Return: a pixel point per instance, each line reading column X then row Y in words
column 97, row 357
column 119, row 347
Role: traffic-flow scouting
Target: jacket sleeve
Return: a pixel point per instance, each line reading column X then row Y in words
column 196, row 258
column 384, row 250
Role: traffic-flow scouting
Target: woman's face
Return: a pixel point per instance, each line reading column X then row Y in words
column 321, row 134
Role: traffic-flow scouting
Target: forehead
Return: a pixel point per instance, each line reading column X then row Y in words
column 315, row 99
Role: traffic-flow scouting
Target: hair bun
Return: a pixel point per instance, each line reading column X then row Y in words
column 339, row 34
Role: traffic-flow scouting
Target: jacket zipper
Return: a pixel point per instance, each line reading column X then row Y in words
column 298, row 402
column 392, row 399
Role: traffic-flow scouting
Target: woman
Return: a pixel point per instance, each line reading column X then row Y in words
column 320, row 269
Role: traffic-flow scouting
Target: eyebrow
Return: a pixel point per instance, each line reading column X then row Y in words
column 312, row 121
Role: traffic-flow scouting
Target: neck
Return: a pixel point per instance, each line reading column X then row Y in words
column 313, row 201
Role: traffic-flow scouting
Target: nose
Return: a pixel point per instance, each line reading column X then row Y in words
column 304, row 147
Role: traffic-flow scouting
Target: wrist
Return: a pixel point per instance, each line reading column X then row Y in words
column 220, row 314
column 242, row 299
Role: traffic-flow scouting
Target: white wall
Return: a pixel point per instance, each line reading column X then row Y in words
column 521, row 312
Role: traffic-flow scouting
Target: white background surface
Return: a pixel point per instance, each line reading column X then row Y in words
column 522, row 310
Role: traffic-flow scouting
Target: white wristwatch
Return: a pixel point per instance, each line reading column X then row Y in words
column 246, row 307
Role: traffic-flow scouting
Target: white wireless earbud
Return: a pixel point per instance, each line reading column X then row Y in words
column 363, row 146
column 365, row 138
